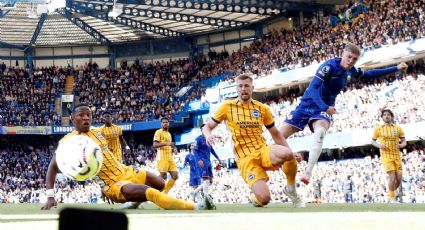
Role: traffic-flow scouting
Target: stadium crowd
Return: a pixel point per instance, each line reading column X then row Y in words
column 139, row 92
column 28, row 98
column 369, row 180
column 142, row 92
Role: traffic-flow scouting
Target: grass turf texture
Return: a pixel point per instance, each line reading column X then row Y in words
column 30, row 209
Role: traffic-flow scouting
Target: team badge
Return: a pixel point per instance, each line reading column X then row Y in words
column 255, row 113
column 251, row 176
column 289, row 116
column 98, row 135
column 115, row 132
column 395, row 132
column 324, row 70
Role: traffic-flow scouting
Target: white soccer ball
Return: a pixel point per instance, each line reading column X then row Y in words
column 78, row 157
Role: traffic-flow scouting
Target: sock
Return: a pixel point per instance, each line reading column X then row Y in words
column 196, row 191
column 290, row 169
column 206, row 187
column 169, row 185
column 255, row 200
column 392, row 195
column 315, row 149
column 167, row 202
column 136, row 204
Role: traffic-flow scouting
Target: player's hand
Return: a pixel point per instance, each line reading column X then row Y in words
column 128, row 151
column 51, row 202
column 383, row 147
column 211, row 139
column 399, row 146
column 402, row 66
column 298, row 157
column 331, row 110
column 200, row 163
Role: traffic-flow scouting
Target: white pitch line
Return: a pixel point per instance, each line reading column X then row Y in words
column 29, row 217
column 255, row 221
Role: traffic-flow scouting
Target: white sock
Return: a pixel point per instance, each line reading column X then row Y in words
column 196, row 191
column 315, row 149
column 291, row 188
column 206, row 187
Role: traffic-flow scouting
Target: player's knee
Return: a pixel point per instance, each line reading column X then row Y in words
column 319, row 133
column 285, row 154
column 263, row 198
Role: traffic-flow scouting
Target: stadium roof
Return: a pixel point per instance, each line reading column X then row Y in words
column 67, row 22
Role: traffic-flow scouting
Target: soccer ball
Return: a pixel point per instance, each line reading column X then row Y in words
column 78, row 157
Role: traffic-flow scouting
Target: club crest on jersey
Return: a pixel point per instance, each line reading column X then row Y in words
column 115, row 132
column 289, row 116
column 98, row 135
column 255, row 114
column 395, row 132
column 324, row 70
column 251, row 176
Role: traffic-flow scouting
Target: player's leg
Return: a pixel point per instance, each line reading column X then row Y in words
column 272, row 158
column 283, row 155
column 148, row 178
column 174, row 176
column 319, row 128
column 392, row 180
column 206, row 177
column 162, row 167
column 195, row 183
column 261, row 193
column 140, row 192
column 287, row 130
column 295, row 124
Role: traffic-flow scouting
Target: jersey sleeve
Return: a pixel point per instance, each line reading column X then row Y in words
column 100, row 129
column 221, row 113
column 324, row 71
column 157, row 136
column 268, row 118
column 375, row 134
column 400, row 132
column 119, row 131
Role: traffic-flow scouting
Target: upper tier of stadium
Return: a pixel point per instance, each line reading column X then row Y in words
column 76, row 22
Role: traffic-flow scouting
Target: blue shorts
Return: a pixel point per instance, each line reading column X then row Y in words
column 207, row 169
column 194, row 181
column 304, row 115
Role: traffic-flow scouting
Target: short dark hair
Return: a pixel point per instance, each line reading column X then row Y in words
column 244, row 76
column 107, row 112
column 388, row 111
column 164, row 118
column 78, row 106
column 352, row 48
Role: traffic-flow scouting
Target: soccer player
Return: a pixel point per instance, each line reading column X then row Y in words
column 391, row 138
column 113, row 135
column 162, row 141
column 203, row 152
column 195, row 171
column 245, row 119
column 118, row 182
column 318, row 102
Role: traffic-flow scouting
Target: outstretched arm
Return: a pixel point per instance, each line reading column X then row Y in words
column 124, row 143
column 50, row 182
column 377, row 73
column 207, row 129
column 214, row 154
